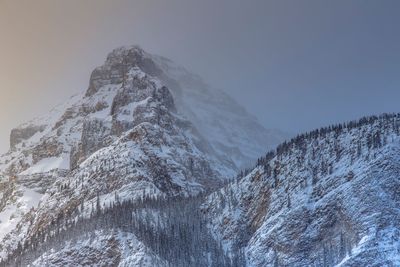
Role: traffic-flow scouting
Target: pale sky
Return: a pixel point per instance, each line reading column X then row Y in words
column 296, row 64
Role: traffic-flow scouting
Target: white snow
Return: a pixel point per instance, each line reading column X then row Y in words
column 48, row 164
column 12, row 214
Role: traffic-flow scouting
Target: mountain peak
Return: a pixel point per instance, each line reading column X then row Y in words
column 145, row 126
column 124, row 50
column 117, row 65
column 196, row 100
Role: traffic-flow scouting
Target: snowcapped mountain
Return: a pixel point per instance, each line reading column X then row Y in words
column 326, row 198
column 138, row 131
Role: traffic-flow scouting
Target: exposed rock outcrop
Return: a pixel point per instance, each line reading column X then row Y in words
column 23, row 133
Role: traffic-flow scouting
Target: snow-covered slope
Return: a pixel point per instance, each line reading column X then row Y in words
column 326, row 198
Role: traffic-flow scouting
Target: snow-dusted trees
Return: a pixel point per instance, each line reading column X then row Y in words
column 373, row 139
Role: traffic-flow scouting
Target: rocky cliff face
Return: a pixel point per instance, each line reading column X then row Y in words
column 18, row 135
column 326, row 198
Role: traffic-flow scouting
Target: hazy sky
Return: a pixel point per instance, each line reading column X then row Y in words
column 295, row 64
